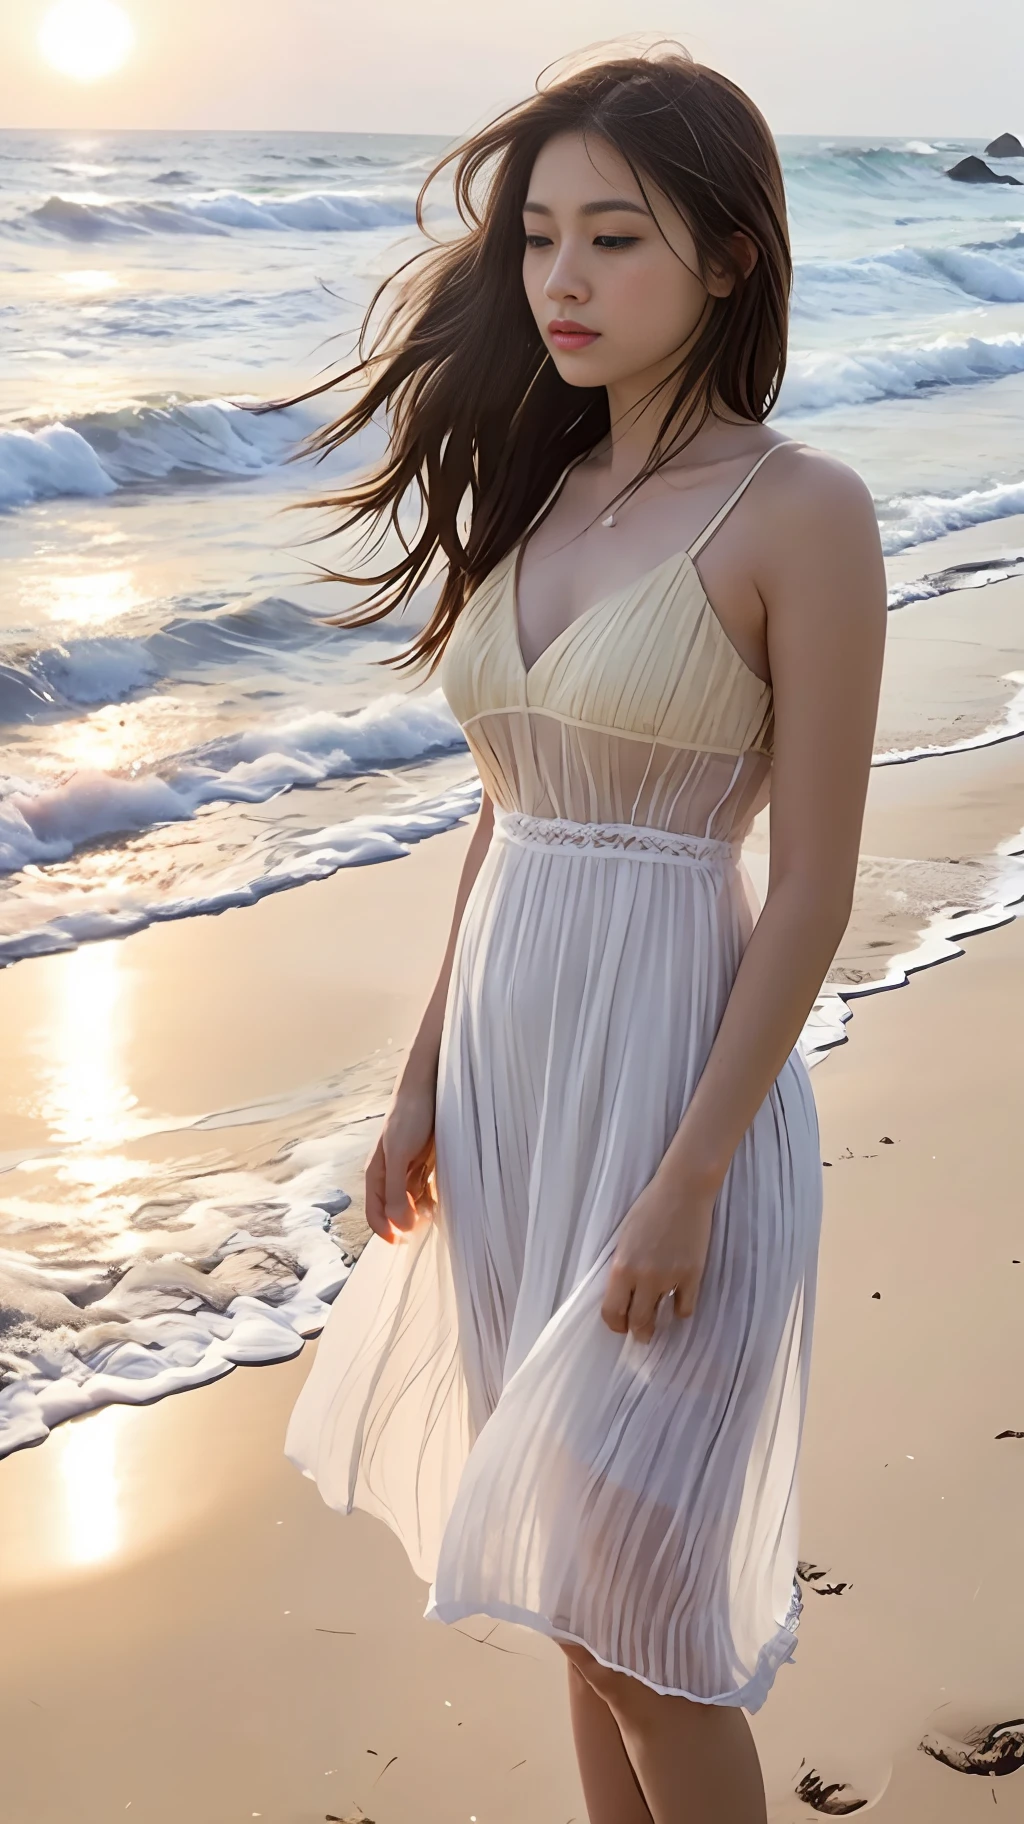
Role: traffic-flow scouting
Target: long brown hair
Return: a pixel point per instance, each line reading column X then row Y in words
column 481, row 425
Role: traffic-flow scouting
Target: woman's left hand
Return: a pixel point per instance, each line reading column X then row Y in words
column 662, row 1248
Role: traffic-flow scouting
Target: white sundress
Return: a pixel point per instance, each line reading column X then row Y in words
column 637, row 1498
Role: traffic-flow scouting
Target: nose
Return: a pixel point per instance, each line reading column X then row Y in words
column 565, row 282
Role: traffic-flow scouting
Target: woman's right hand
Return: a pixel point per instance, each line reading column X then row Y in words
column 399, row 1172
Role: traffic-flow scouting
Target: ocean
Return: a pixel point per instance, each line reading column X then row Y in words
column 182, row 734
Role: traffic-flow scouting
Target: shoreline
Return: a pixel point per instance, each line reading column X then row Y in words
column 266, row 1082
column 199, row 1565
column 940, row 700
column 198, row 1059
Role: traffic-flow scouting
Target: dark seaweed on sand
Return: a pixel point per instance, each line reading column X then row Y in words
column 828, row 1799
column 812, row 1574
column 990, row 1752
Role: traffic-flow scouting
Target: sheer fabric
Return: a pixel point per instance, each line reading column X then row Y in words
column 640, row 711
column 640, row 1499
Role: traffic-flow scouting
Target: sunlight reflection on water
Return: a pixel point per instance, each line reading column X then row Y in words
column 87, row 1101
column 91, row 1522
column 91, row 599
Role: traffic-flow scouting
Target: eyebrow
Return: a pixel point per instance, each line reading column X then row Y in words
column 614, row 203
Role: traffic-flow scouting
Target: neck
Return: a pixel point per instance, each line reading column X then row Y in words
column 636, row 407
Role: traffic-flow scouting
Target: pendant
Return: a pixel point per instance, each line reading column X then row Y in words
column 610, row 521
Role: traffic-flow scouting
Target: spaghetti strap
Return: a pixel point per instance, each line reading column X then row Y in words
column 705, row 537
column 465, row 1391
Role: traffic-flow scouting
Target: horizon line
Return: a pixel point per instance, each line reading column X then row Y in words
column 434, row 133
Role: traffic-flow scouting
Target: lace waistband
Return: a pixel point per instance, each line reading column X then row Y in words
column 633, row 840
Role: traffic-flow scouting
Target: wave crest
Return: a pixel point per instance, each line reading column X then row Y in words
column 294, row 861
column 148, row 441
column 47, row 682
column 917, row 519
column 221, row 213
column 48, row 823
column 907, row 279
column 818, row 380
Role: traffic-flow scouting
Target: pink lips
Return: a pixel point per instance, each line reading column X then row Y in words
column 568, row 335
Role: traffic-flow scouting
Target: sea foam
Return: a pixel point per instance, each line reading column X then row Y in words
column 99, row 452
column 236, row 1268
column 141, row 444
column 917, row 519
column 296, row 860
column 42, row 823
column 44, row 464
column 819, row 379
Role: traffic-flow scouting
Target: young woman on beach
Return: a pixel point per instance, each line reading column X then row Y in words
column 570, row 1366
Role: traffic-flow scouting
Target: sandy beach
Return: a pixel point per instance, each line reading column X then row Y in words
column 230, row 841
column 190, row 1633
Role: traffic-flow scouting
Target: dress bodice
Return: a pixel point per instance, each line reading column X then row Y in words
column 640, row 711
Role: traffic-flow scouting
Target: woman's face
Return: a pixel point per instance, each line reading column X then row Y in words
column 612, row 282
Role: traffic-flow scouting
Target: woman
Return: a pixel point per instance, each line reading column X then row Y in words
column 576, row 1389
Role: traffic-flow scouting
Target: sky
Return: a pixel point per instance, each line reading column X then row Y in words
column 880, row 67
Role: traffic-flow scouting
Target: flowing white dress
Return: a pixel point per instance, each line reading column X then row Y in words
column 638, row 1498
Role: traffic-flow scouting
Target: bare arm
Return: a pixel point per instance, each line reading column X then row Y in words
column 823, row 585
column 825, row 596
column 397, row 1171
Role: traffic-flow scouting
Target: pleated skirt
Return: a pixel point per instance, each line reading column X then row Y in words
column 639, row 1499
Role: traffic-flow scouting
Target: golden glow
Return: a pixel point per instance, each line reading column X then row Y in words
column 89, row 1102
column 89, row 282
column 99, row 596
column 91, row 1487
column 89, row 747
column 86, row 39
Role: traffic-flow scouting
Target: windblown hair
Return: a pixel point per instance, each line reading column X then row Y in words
column 481, row 425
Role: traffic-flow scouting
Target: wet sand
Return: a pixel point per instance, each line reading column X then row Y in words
column 190, row 1634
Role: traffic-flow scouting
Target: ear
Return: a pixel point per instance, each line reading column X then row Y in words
column 721, row 280
column 746, row 252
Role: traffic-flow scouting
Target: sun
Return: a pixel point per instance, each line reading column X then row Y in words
column 86, row 39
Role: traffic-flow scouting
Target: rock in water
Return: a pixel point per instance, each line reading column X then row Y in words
column 1006, row 146
column 975, row 171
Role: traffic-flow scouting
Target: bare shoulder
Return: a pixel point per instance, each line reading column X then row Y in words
column 817, row 540
column 814, row 495
column 818, row 564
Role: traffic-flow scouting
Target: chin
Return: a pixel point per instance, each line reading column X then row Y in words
column 583, row 369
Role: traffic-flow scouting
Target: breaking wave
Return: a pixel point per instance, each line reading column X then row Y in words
column 51, row 681
column 222, row 213
column 296, row 859
column 48, row 823
column 917, row 519
column 905, row 280
column 149, row 441
column 820, row 378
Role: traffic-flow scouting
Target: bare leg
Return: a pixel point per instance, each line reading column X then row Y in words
column 610, row 1786
column 695, row 1763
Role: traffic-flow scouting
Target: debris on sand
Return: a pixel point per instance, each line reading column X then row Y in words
column 836, row 1800
column 990, row 1751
